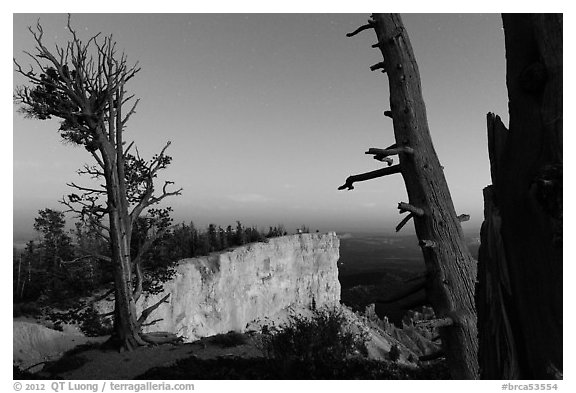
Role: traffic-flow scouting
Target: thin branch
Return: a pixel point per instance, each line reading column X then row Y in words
column 370, row 25
column 96, row 300
column 97, row 256
column 130, row 112
column 404, row 221
column 87, row 190
column 165, row 194
column 368, row 176
column 156, row 163
column 128, row 148
column 152, row 322
column 146, row 312
column 92, row 171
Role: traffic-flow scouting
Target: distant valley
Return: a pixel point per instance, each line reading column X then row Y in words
column 376, row 266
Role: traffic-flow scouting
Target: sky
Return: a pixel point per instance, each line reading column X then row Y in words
column 269, row 113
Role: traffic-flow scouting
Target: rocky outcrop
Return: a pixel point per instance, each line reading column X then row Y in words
column 34, row 343
column 226, row 291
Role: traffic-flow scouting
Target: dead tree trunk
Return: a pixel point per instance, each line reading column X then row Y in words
column 519, row 293
column 451, row 270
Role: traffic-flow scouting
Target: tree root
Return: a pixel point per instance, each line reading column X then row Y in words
column 157, row 338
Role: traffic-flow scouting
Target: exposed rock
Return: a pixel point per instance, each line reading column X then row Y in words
column 34, row 343
column 226, row 291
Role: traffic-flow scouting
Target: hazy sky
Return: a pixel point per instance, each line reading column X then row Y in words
column 269, row 113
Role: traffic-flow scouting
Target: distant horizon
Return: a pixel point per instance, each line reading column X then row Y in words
column 20, row 239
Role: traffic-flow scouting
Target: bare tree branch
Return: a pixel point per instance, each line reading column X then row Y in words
column 369, row 25
column 368, row 176
column 146, row 312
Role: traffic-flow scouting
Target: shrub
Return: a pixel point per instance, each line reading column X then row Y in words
column 394, row 353
column 229, row 340
column 258, row 368
column 314, row 343
column 91, row 323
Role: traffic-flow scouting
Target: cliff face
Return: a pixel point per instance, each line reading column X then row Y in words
column 222, row 292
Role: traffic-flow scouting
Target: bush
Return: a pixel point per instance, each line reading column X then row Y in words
column 314, row 343
column 257, row 368
column 394, row 353
column 229, row 340
column 91, row 323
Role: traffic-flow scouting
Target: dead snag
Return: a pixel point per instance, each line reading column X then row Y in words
column 451, row 269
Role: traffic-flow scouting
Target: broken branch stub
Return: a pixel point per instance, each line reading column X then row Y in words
column 381, row 65
column 463, row 217
column 385, row 159
column 406, row 207
column 436, row 323
column 390, row 151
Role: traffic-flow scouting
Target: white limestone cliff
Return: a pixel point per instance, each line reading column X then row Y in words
column 226, row 291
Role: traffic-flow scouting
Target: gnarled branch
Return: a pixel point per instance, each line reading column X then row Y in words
column 370, row 25
column 146, row 312
column 368, row 176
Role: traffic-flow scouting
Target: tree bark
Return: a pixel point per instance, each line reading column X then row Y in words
column 451, row 269
column 519, row 293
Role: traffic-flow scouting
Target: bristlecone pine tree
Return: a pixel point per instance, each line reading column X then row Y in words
column 84, row 85
column 451, row 270
column 519, row 294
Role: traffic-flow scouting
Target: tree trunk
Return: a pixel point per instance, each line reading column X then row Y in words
column 451, row 270
column 127, row 332
column 519, row 293
column 126, row 329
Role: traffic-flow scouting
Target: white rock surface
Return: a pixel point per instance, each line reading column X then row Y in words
column 226, row 291
column 34, row 343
